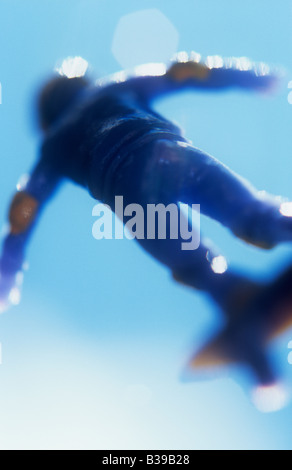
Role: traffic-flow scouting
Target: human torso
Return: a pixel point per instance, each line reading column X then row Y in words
column 98, row 134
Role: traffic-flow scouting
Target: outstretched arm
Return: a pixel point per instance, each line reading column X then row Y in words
column 190, row 72
column 23, row 214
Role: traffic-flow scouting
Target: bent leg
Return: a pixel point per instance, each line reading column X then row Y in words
column 194, row 177
column 168, row 172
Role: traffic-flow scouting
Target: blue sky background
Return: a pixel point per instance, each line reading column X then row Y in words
column 93, row 355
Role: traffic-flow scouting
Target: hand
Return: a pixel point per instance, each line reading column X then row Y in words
column 9, row 292
column 268, row 83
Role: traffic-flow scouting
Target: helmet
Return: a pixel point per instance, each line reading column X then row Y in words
column 56, row 97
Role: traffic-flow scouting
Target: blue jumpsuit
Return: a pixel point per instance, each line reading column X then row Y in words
column 111, row 142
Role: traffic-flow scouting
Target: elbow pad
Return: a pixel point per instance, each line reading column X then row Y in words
column 183, row 71
column 22, row 212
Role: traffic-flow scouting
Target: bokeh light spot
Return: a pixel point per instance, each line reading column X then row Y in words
column 286, row 209
column 73, row 67
column 269, row 399
column 144, row 36
column 219, row 265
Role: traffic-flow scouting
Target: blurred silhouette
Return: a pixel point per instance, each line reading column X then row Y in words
column 107, row 138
